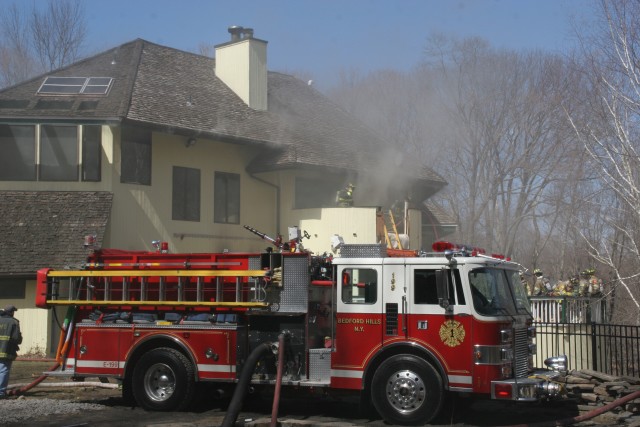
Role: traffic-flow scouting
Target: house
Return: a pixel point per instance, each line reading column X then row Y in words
column 144, row 142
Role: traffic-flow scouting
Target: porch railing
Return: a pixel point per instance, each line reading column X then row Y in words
column 578, row 327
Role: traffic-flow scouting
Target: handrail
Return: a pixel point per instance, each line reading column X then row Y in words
column 158, row 273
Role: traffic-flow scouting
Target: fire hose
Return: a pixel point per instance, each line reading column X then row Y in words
column 61, row 353
column 587, row 416
column 276, row 393
column 243, row 384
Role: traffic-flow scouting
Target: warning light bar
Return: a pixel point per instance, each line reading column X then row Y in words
column 441, row 246
column 465, row 250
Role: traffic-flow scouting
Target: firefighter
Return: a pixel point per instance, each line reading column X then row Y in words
column 525, row 283
column 539, row 285
column 594, row 284
column 10, row 339
column 344, row 197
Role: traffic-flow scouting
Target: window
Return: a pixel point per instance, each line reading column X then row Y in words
column 18, row 148
column 12, row 288
column 136, row 156
column 426, row 292
column 91, row 153
column 315, row 193
column 226, row 198
column 186, row 194
column 75, row 86
column 359, row 286
column 424, row 283
column 58, row 153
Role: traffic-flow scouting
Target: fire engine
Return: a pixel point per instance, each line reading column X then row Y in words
column 402, row 329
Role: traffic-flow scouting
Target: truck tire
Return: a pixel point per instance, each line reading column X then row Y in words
column 163, row 380
column 407, row 390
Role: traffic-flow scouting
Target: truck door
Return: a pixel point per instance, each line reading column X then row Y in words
column 447, row 334
column 358, row 322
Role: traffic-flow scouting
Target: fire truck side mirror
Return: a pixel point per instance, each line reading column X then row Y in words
column 442, row 286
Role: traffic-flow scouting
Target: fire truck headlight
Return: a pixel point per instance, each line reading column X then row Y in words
column 506, row 353
column 506, row 370
column 527, row 391
column 506, row 336
column 533, row 349
column 531, row 332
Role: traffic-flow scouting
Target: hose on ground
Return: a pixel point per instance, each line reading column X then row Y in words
column 587, row 416
column 21, row 390
column 243, row 384
column 71, row 384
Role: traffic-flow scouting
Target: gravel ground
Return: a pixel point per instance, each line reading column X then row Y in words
column 82, row 404
column 22, row 410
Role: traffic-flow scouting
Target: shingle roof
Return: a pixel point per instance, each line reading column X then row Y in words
column 47, row 228
column 179, row 91
column 440, row 214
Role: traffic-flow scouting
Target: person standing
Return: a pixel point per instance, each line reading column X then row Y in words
column 10, row 339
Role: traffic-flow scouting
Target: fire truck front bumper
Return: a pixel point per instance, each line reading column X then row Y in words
column 540, row 385
column 525, row 389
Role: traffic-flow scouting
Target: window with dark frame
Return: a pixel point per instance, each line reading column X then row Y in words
column 226, row 198
column 12, row 288
column 135, row 152
column 18, row 147
column 186, row 194
column 91, row 153
column 359, row 286
column 58, row 153
column 426, row 292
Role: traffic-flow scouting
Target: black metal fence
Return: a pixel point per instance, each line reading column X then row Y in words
column 612, row 349
column 575, row 327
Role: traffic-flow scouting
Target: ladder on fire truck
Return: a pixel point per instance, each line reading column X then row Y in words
column 161, row 287
column 390, row 228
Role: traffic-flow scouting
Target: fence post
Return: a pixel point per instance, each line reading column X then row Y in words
column 594, row 346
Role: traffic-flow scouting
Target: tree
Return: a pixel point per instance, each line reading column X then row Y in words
column 40, row 40
column 610, row 133
column 16, row 61
column 511, row 146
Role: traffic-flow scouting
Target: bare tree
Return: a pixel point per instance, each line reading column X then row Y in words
column 512, row 146
column 16, row 62
column 610, row 133
column 58, row 32
column 39, row 40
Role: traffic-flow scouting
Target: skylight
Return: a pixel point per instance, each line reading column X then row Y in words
column 75, row 86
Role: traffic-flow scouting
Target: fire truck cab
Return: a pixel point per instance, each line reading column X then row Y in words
column 400, row 330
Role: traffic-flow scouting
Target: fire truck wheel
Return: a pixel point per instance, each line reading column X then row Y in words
column 163, row 380
column 407, row 390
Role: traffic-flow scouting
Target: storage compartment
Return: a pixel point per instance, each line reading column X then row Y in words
column 319, row 364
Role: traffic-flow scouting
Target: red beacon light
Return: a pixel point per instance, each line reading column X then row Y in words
column 442, row 246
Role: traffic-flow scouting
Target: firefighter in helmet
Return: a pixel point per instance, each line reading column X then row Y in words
column 344, row 197
column 594, row 284
column 539, row 283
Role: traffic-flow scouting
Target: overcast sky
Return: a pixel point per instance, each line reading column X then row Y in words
column 322, row 37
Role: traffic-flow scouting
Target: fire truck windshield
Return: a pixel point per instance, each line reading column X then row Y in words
column 497, row 291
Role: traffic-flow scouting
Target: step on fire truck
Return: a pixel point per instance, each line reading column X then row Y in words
column 401, row 330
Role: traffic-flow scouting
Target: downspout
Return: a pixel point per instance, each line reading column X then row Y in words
column 277, row 187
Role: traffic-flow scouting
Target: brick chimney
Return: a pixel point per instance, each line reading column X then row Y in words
column 242, row 65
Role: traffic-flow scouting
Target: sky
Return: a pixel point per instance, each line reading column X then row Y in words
column 320, row 38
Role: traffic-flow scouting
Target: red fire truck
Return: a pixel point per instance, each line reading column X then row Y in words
column 400, row 330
